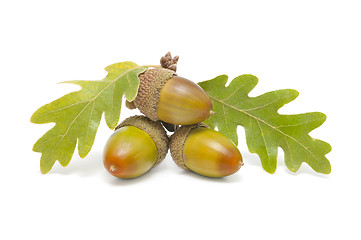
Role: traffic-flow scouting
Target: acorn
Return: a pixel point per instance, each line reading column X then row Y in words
column 162, row 95
column 204, row 151
column 137, row 145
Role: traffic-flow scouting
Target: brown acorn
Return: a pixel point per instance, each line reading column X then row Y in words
column 204, row 151
column 162, row 95
column 137, row 145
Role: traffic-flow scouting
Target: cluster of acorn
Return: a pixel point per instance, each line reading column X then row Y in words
column 140, row 143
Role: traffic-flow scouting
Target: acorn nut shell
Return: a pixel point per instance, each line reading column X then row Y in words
column 137, row 145
column 204, row 151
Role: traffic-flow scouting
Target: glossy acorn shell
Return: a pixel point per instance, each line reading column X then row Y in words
column 182, row 102
column 130, row 152
column 205, row 151
column 162, row 95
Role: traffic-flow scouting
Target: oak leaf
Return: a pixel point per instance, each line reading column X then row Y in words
column 77, row 115
column 265, row 128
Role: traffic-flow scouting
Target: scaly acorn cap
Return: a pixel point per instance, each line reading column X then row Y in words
column 177, row 142
column 150, row 86
column 154, row 130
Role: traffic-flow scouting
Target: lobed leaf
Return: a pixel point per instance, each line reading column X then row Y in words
column 265, row 129
column 77, row 115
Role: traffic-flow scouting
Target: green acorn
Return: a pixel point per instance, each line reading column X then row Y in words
column 162, row 95
column 137, row 145
column 204, row 151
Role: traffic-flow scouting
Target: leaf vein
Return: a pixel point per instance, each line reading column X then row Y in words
column 225, row 119
column 298, row 124
column 63, row 108
column 289, row 149
column 265, row 105
column 49, row 140
column 265, row 143
column 225, row 99
column 90, row 117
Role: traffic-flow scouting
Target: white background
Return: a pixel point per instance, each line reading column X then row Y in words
column 311, row 46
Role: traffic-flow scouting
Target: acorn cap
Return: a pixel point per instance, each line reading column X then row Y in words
column 150, row 86
column 177, row 142
column 154, row 130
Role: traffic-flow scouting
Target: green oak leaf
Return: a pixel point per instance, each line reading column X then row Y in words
column 77, row 115
column 265, row 128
